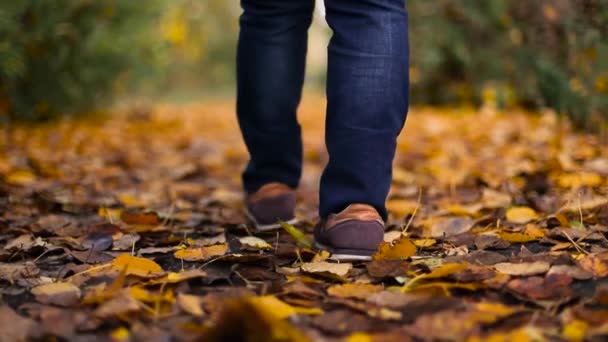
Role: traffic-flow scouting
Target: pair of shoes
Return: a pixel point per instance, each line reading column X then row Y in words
column 352, row 234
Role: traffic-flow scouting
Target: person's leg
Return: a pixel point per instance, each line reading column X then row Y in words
column 271, row 58
column 367, row 101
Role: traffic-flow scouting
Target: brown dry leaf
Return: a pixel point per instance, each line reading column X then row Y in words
column 62, row 294
column 597, row 264
column 119, row 305
column 137, row 266
column 338, row 269
column 202, row 253
column 521, row 215
column 14, row 271
column 539, row 288
column 360, row 291
column 523, row 269
column 397, row 250
column 14, row 327
column 451, row 226
column 570, row 270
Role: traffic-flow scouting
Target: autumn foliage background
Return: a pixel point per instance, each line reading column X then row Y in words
column 68, row 57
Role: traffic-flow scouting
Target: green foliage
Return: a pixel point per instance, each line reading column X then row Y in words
column 60, row 56
column 531, row 53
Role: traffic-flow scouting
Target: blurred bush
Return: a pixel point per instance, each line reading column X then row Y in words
column 534, row 53
column 60, row 56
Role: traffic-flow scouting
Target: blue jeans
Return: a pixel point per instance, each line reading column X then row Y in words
column 367, row 95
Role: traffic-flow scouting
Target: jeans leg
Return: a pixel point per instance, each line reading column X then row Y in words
column 271, row 58
column 367, row 100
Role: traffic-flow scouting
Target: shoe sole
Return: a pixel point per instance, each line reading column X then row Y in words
column 338, row 254
column 262, row 228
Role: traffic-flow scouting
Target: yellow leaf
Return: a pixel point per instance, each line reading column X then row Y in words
column 120, row 334
column 422, row 243
column 596, row 264
column 516, row 237
column 521, row 215
column 576, row 180
column 297, row 234
column 201, row 253
column 360, row 291
column 137, row 266
column 143, row 295
column 20, row 177
column 110, row 214
column 469, row 210
column 359, row 337
column 177, row 277
column 397, row 250
column 575, row 330
column 273, row 306
column 401, row 207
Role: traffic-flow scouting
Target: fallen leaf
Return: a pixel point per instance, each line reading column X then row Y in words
column 119, row 305
column 397, row 250
column 14, row 327
column 570, row 270
column 339, row 269
column 597, row 264
column 516, row 237
column 62, row 294
column 401, row 207
column 20, row 177
column 137, row 266
column 97, row 241
column 575, row 330
column 521, row 215
column 523, row 269
column 140, row 218
column 297, row 234
column 190, row 304
column 439, row 272
column 360, row 291
column 254, row 242
column 451, row 226
column 201, row 253
column 539, row 288
column 495, row 199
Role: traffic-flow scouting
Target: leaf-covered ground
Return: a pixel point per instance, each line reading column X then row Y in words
column 132, row 229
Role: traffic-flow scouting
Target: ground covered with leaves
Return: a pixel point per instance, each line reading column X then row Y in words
column 132, row 228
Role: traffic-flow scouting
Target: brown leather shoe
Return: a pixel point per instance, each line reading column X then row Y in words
column 272, row 203
column 352, row 234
